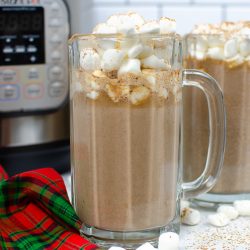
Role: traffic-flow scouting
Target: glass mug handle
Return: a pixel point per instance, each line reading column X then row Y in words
column 217, row 134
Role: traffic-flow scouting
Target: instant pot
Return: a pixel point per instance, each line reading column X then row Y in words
column 34, row 88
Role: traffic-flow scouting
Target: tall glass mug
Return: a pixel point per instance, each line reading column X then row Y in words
column 233, row 75
column 126, row 142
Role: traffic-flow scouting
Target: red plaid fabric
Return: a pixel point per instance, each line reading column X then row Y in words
column 35, row 213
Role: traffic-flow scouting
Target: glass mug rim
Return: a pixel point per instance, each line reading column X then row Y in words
column 77, row 37
column 217, row 35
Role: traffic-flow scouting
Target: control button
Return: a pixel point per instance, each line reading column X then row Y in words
column 8, row 50
column 33, row 74
column 56, row 39
column 55, row 22
column 56, row 89
column 8, row 76
column 20, row 49
column 9, row 92
column 33, row 59
column 56, row 56
column 56, row 73
column 32, row 49
column 8, row 40
column 33, row 91
column 55, row 6
column 31, row 39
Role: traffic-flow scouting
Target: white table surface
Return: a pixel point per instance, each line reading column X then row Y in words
column 235, row 236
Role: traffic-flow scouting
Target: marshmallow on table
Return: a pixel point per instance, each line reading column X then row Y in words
column 116, row 248
column 243, row 207
column 218, row 219
column 89, row 59
column 146, row 246
column 167, row 25
column 184, row 204
column 169, row 241
column 153, row 62
column 112, row 59
column 190, row 216
column 229, row 211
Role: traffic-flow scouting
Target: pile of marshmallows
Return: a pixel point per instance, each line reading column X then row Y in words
column 224, row 214
column 125, row 53
column 228, row 41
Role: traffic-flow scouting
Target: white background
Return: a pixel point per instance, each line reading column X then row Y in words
column 87, row 13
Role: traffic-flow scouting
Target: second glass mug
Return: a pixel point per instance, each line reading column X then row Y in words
column 127, row 152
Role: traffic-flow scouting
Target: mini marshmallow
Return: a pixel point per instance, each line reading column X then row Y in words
column 89, row 59
column 151, row 27
column 117, row 92
column 112, row 59
column 216, row 53
column 163, row 92
column 153, row 62
column 184, row 204
column 230, row 48
column 235, row 61
column 104, row 28
column 130, row 66
column 135, row 51
column 243, row 207
column 139, row 95
column 167, row 25
column 201, row 44
column 169, row 241
column 150, row 77
column 130, row 19
column 190, row 216
column 244, row 47
column 93, row 95
column 218, row 219
column 146, row 52
column 116, row 248
column 229, row 211
column 216, row 41
column 146, row 246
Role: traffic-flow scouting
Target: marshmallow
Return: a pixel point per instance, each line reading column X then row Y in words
column 150, row 82
column 130, row 19
column 216, row 53
column 135, row 51
column 229, row 211
column 93, row 95
column 167, row 25
column 153, row 62
column 163, row 92
column 216, row 41
column 163, row 53
column 130, row 66
column 184, row 204
column 230, row 48
column 146, row 52
column 235, row 61
column 139, row 95
column 116, row 248
column 151, row 27
column 104, row 28
column 218, row 219
column 89, row 59
column 244, row 47
column 112, row 59
column 201, row 44
column 117, row 92
column 146, row 246
column 243, row 207
column 190, row 216
column 169, row 241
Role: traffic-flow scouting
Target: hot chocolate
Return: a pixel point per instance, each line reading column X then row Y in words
column 223, row 51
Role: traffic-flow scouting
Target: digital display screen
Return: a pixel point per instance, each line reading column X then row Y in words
column 22, row 35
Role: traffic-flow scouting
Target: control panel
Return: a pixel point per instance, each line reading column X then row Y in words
column 33, row 55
